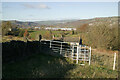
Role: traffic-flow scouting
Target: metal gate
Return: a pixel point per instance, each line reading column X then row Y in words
column 83, row 54
column 79, row 53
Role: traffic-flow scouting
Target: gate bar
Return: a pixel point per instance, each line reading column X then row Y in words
column 90, row 56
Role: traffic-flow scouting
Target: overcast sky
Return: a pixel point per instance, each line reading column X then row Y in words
column 38, row 11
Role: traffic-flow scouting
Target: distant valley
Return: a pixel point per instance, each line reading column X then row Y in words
column 66, row 23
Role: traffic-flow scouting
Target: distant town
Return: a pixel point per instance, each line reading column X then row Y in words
column 50, row 28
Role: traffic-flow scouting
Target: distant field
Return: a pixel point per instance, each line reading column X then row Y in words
column 35, row 34
column 46, row 66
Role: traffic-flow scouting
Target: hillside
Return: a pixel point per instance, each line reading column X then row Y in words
column 22, row 24
column 54, row 22
column 46, row 66
column 103, row 20
column 67, row 23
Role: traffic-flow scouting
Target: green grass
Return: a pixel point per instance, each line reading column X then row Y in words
column 37, row 66
column 35, row 34
column 46, row 66
column 93, row 71
column 101, row 67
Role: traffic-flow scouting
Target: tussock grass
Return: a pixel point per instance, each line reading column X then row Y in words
column 101, row 67
column 46, row 66
column 37, row 66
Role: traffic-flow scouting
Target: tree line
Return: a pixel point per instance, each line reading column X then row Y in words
column 11, row 29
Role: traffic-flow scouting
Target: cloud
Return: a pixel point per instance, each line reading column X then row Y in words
column 38, row 6
column 64, row 5
column 30, row 15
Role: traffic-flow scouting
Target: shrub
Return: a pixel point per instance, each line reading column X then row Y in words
column 47, row 35
column 26, row 34
column 102, row 36
column 82, row 28
column 21, row 32
column 6, row 27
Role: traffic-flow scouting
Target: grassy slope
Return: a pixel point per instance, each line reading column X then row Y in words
column 37, row 66
column 101, row 67
column 45, row 66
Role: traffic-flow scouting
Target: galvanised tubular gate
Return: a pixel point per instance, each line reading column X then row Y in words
column 76, row 52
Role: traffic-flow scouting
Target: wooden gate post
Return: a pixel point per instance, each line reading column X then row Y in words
column 114, row 61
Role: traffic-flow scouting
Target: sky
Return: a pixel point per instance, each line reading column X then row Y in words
column 59, row 0
column 41, row 11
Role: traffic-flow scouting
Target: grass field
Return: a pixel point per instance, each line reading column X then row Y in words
column 68, row 36
column 35, row 34
column 46, row 66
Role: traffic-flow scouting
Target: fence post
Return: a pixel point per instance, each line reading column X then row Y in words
column 61, row 48
column 77, row 55
column 50, row 43
column 90, row 56
column 114, row 61
column 72, row 51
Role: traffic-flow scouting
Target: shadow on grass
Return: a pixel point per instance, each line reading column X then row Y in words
column 27, row 60
column 38, row 66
